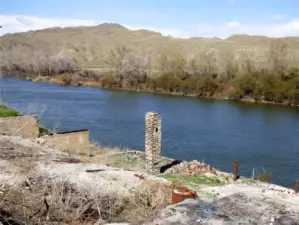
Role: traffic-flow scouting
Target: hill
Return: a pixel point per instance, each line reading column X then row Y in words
column 88, row 45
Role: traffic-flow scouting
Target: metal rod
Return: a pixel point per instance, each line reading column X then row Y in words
column 297, row 187
column 253, row 173
column 236, row 168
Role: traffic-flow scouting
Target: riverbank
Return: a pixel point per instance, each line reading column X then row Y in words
column 60, row 80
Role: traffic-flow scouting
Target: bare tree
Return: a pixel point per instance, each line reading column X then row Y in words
column 114, row 59
column 134, row 66
column 248, row 61
column 39, row 64
column 192, row 65
column 148, row 58
column 229, row 67
column 208, row 62
column 174, row 64
column 277, row 56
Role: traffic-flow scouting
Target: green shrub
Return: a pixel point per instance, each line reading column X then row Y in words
column 246, row 85
column 293, row 72
column 130, row 83
column 44, row 131
column 151, row 84
column 108, row 81
column 294, row 97
column 269, row 86
column 265, row 177
column 66, row 79
column 206, row 86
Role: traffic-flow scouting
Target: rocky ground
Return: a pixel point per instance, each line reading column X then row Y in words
column 236, row 204
column 40, row 185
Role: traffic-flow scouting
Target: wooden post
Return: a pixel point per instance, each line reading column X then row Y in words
column 297, row 187
column 236, row 168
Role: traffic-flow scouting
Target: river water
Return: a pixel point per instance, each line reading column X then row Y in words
column 216, row 132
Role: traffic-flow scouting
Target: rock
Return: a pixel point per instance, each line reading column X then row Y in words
column 117, row 224
column 285, row 220
column 99, row 222
column 40, row 141
column 193, row 168
column 210, row 174
column 239, row 208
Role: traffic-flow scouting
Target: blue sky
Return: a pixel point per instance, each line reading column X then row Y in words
column 177, row 17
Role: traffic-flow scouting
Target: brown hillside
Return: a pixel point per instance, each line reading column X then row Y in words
column 88, row 45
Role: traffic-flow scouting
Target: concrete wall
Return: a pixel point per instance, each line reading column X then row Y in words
column 24, row 126
column 76, row 141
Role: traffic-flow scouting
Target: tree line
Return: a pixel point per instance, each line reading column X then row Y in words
column 269, row 74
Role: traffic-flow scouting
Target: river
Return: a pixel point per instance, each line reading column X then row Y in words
column 213, row 131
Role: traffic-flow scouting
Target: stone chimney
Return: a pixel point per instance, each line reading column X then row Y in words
column 153, row 124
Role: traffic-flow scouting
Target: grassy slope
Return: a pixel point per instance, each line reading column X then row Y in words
column 8, row 112
column 89, row 45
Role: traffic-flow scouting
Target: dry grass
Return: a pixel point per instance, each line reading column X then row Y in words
column 29, row 196
column 41, row 200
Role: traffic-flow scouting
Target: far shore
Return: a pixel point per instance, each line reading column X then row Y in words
column 248, row 100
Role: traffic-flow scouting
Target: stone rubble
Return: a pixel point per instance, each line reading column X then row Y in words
column 193, row 168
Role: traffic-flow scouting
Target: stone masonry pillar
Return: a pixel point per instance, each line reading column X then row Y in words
column 153, row 124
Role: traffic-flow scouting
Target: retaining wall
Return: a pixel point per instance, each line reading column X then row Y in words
column 75, row 141
column 24, row 126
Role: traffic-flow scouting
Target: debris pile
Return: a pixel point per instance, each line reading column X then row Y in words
column 193, row 168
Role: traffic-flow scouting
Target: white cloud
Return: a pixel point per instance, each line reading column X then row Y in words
column 277, row 17
column 19, row 23
column 232, row 24
column 290, row 28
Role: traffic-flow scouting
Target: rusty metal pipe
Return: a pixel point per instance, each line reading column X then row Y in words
column 297, row 187
column 236, row 168
column 182, row 193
